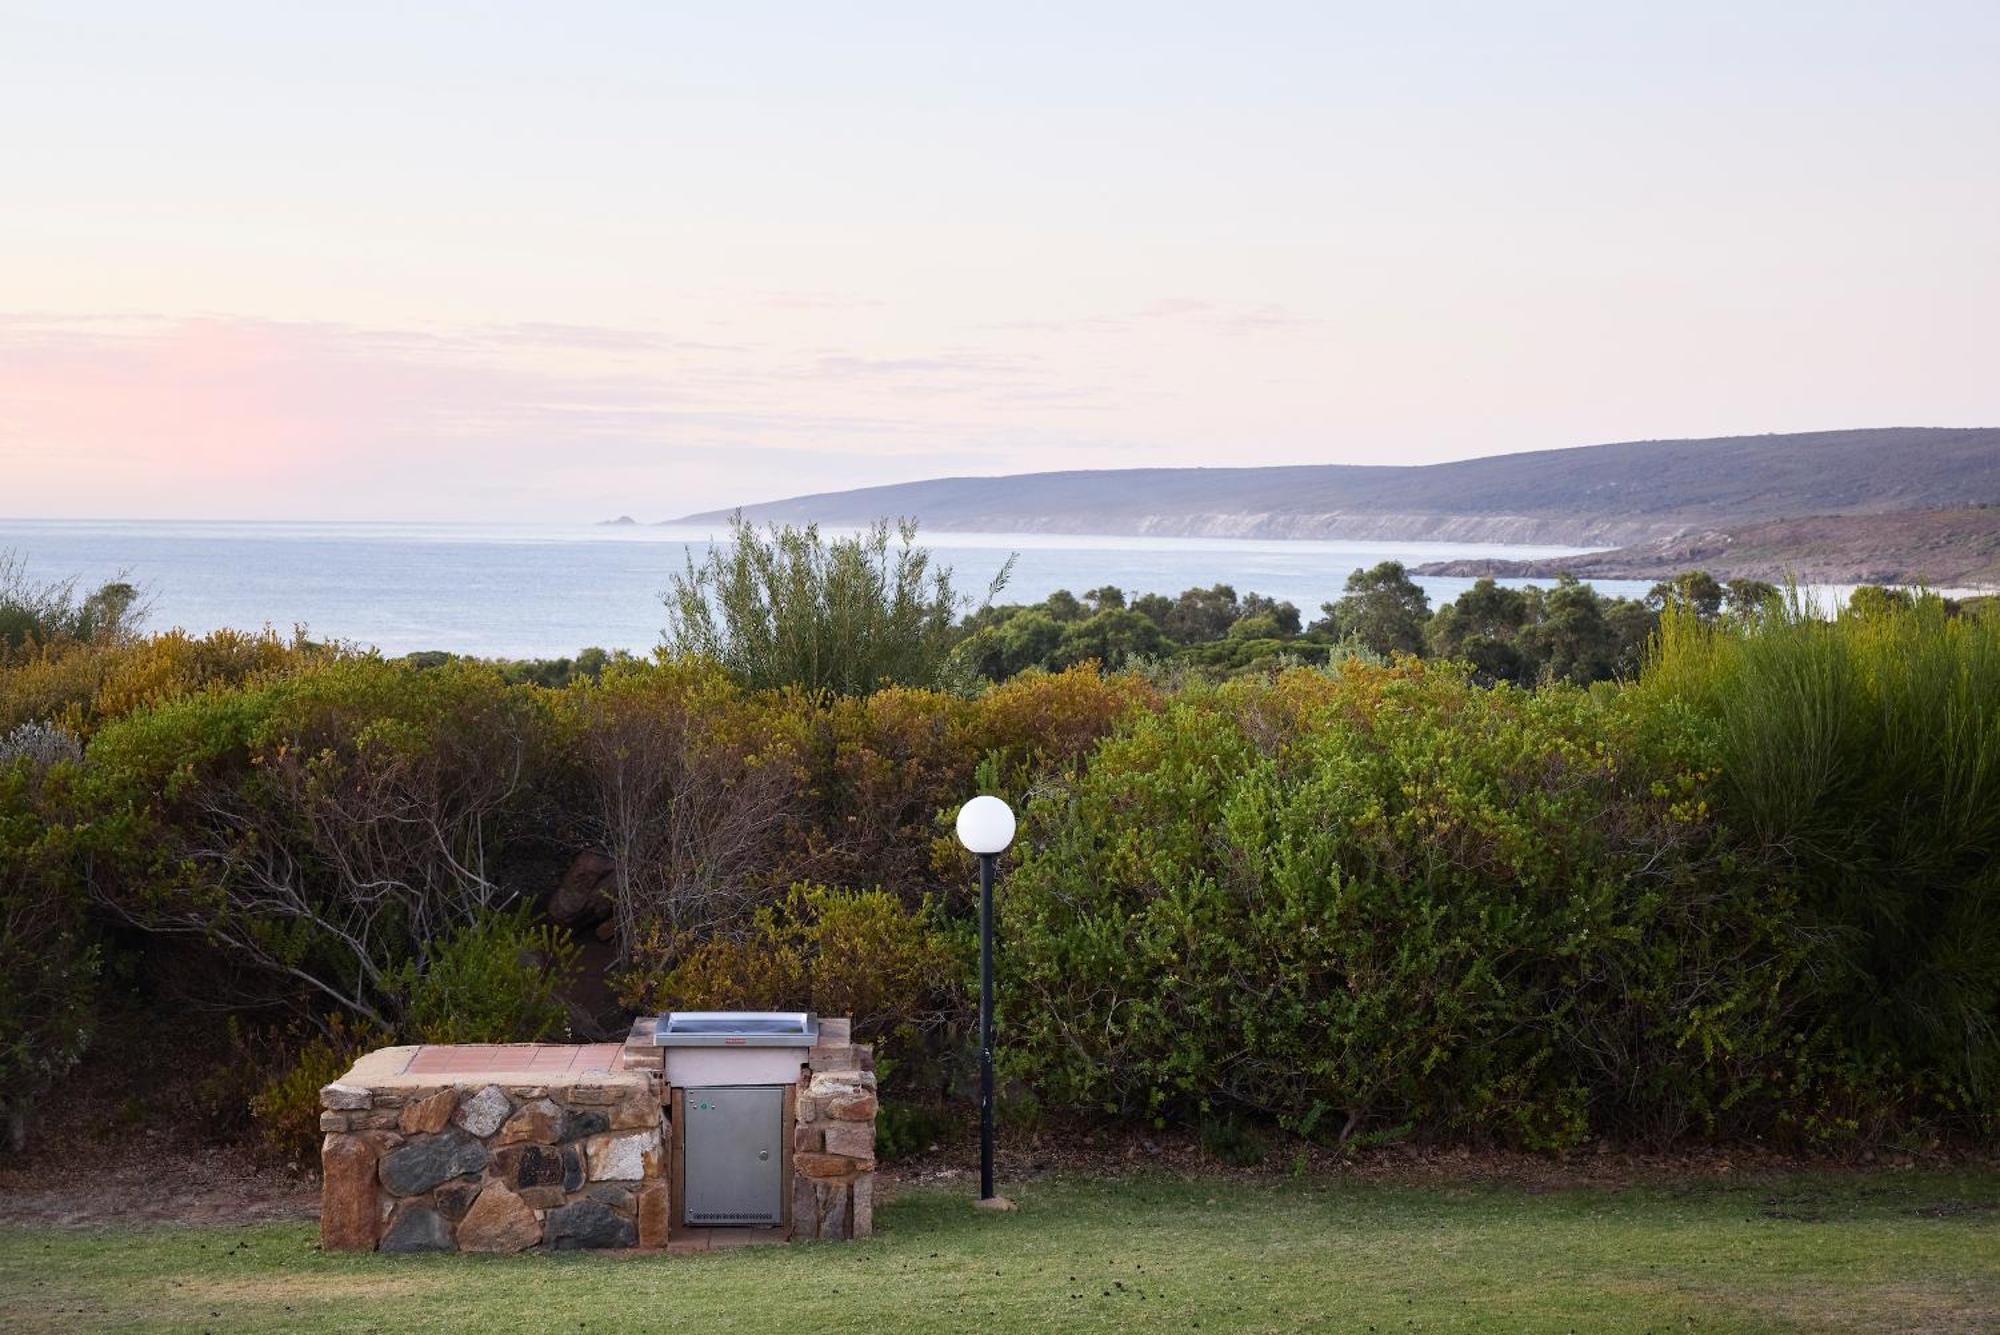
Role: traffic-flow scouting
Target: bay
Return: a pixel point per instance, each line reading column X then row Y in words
column 545, row 590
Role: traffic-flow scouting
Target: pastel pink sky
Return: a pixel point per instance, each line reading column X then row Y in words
column 531, row 262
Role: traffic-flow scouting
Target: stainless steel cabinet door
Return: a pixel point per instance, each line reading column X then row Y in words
column 734, row 1143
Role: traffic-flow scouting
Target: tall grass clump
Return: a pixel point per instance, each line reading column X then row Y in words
column 845, row 615
column 1860, row 755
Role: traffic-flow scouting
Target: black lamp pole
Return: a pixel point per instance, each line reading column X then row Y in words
column 986, row 861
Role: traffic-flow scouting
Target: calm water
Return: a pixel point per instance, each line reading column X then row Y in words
column 546, row 590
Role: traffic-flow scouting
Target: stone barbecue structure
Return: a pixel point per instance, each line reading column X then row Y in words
column 504, row 1147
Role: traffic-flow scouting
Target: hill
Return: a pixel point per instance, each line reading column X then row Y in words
column 1595, row 495
column 1948, row 549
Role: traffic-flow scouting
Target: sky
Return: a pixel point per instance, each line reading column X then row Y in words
column 562, row 262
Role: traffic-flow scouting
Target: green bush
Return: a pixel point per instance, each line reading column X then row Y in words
column 1861, row 754
column 48, row 961
column 497, row 979
column 1389, row 896
column 859, row 954
column 286, row 1109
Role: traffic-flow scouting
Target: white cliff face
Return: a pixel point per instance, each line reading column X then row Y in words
column 1524, row 530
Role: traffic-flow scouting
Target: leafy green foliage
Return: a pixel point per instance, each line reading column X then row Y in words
column 860, row 954
column 791, row 608
column 48, row 960
column 1862, row 755
column 1400, row 897
column 1382, row 609
column 498, row 979
column 36, row 613
column 1265, row 877
column 286, row 1108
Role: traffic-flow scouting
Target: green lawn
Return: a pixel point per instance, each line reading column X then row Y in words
column 1908, row 1250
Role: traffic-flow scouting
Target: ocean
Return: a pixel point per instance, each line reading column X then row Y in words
column 542, row 591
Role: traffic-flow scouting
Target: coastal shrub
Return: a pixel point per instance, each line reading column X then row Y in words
column 1379, row 897
column 38, row 613
column 286, row 1108
column 328, row 828
column 497, row 979
column 788, row 607
column 856, row 953
column 48, row 960
column 1861, row 754
column 689, row 784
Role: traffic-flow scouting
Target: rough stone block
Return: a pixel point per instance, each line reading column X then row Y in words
column 429, row 1161
column 861, row 1222
column 840, row 1084
column 808, row 1138
column 418, row 1228
column 430, row 1115
column 654, row 1207
column 593, row 1094
column 805, row 1208
column 544, row 1198
column 523, row 1166
column 856, row 1140
column 856, row 1107
column 339, row 1097
column 536, row 1123
column 833, row 1167
column 335, row 1122
column 384, row 1141
column 348, row 1218
column 499, row 1221
column 844, row 1058
column 806, row 1108
column 620, row 1156
column 588, row 1224
column 836, row 1033
column 833, row 1217
column 614, row 1194
column 482, row 1114
column 454, row 1198
column 578, row 1123
column 635, row 1110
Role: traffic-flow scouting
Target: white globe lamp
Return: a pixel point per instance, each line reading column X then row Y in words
column 986, row 827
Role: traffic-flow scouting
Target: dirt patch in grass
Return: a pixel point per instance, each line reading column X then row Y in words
column 1112, row 1154
column 150, row 1181
column 1910, row 1307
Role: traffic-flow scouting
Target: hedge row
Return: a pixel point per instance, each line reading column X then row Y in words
column 1750, row 894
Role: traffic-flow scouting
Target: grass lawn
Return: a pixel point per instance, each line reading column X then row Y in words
column 1894, row 1250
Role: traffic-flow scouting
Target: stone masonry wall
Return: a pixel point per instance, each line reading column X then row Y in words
column 462, row 1151
column 833, row 1129
column 435, row 1163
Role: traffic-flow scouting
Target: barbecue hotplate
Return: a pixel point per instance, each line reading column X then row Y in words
column 737, row 1029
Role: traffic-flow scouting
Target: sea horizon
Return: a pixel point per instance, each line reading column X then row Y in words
column 518, row 589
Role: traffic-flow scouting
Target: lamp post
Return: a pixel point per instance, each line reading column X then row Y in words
column 986, row 827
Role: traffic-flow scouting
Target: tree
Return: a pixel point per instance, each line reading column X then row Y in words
column 1282, row 617
column 1383, row 610
column 1696, row 590
column 1010, row 640
column 1065, row 606
column 34, row 612
column 1743, row 599
column 1482, row 627
column 1113, row 638
column 790, row 608
column 1106, row 598
column 1201, row 615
